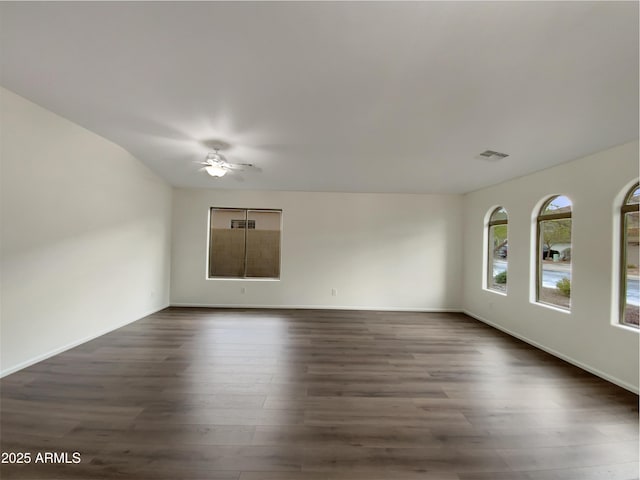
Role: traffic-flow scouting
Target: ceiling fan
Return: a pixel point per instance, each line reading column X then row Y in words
column 216, row 165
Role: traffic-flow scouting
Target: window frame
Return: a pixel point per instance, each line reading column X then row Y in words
column 493, row 223
column 246, row 212
column 542, row 218
column 624, row 210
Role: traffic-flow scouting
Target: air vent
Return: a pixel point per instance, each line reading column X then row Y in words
column 493, row 155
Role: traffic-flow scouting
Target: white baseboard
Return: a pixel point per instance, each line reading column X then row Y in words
column 562, row 356
column 75, row 343
column 320, row 307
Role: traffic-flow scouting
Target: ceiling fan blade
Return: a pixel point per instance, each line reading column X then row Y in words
column 247, row 167
column 252, row 168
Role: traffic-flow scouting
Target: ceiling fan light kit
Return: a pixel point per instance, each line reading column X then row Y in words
column 215, row 170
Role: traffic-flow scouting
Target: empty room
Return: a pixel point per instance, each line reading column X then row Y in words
column 319, row 240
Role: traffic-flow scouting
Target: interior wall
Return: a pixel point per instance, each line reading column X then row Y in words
column 589, row 335
column 377, row 251
column 85, row 239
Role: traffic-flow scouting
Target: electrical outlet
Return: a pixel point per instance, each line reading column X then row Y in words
column 243, row 290
column 334, row 292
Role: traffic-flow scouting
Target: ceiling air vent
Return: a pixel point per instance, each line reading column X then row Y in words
column 493, row 155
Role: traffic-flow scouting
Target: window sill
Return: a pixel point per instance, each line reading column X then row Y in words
column 497, row 292
column 553, row 307
column 622, row 326
column 248, row 279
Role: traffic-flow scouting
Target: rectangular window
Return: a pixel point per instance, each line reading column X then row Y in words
column 244, row 243
column 631, row 242
column 554, row 262
column 498, row 253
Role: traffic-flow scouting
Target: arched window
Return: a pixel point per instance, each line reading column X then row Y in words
column 554, row 253
column 629, row 289
column 497, row 250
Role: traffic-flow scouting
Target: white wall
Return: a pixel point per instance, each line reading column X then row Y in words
column 380, row 251
column 85, row 235
column 588, row 335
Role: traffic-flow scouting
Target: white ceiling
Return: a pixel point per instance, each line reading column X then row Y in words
column 355, row 97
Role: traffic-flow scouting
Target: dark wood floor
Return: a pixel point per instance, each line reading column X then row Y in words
column 316, row 395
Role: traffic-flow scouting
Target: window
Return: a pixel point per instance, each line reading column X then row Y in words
column 554, row 253
column 244, row 243
column 497, row 250
column 629, row 289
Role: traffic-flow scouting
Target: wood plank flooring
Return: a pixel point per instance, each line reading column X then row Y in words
column 315, row 395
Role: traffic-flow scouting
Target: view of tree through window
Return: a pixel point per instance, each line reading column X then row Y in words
column 498, row 250
column 554, row 252
column 630, row 289
column 244, row 243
